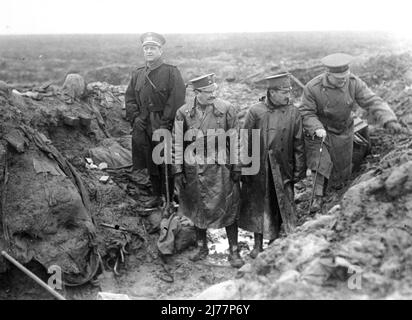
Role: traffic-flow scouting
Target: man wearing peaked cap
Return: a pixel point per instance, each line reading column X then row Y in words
column 280, row 80
column 267, row 198
column 204, row 83
column 152, row 38
column 327, row 103
column 155, row 92
column 208, row 189
column 337, row 63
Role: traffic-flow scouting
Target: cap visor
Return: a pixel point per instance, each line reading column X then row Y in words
column 340, row 74
column 152, row 43
column 211, row 87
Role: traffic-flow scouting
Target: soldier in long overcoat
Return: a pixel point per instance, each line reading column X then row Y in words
column 208, row 183
column 327, row 103
column 155, row 92
column 267, row 198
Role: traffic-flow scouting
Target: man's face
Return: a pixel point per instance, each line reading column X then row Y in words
column 151, row 52
column 280, row 96
column 206, row 96
column 338, row 79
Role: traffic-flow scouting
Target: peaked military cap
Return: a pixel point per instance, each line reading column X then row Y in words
column 337, row 62
column 204, row 82
column 152, row 38
column 277, row 81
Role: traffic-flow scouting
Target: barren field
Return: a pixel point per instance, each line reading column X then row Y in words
column 365, row 228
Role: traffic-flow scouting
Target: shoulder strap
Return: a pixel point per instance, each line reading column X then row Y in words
column 153, row 85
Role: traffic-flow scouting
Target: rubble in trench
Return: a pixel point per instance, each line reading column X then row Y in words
column 366, row 233
column 54, row 196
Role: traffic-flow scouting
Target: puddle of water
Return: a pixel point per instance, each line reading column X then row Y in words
column 220, row 245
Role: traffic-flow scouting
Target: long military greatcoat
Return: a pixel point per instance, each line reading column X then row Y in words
column 156, row 106
column 267, row 198
column 210, row 198
column 327, row 107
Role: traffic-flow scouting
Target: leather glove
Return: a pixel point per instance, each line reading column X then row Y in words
column 139, row 123
column 235, row 176
column 180, row 180
column 321, row 133
column 393, row 127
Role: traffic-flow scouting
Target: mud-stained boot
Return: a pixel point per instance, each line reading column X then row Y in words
column 200, row 253
column 317, row 204
column 234, row 257
column 202, row 250
column 258, row 247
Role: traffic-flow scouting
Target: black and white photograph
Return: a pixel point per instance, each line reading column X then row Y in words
column 212, row 153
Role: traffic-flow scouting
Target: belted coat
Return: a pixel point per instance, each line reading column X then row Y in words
column 154, row 94
column 209, row 198
column 325, row 106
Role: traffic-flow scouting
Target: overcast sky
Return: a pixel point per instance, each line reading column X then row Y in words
column 200, row 16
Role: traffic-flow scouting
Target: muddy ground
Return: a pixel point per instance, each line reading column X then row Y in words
column 364, row 229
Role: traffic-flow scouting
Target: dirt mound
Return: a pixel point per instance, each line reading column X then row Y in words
column 114, row 74
column 74, row 86
column 52, row 204
column 381, row 69
column 112, row 153
column 45, row 207
column 360, row 249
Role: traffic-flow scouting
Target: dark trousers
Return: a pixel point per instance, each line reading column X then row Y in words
column 321, row 184
column 159, row 182
column 142, row 148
